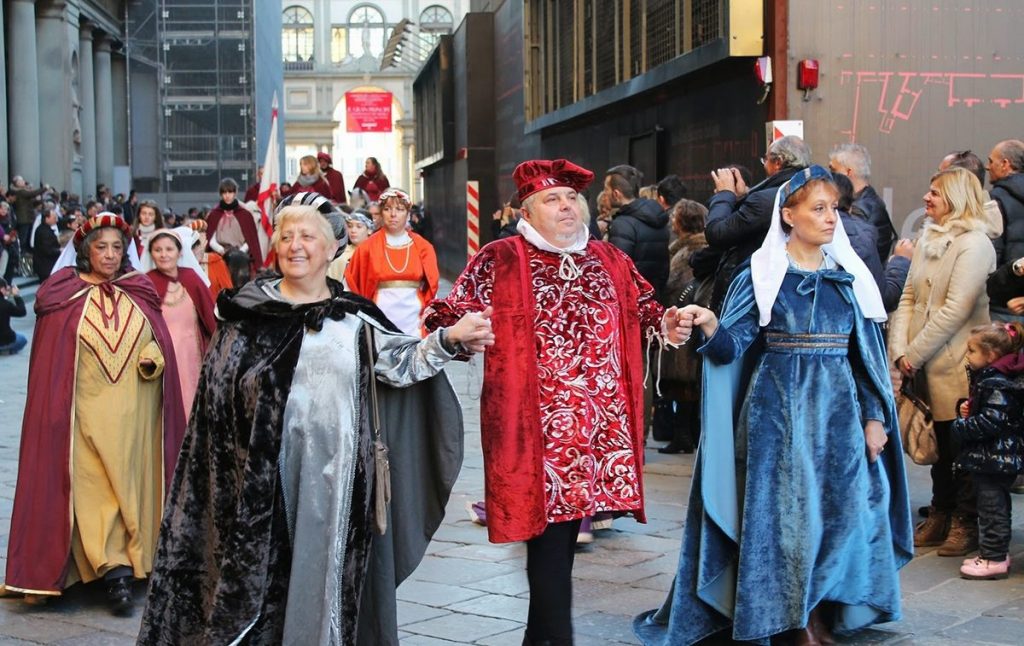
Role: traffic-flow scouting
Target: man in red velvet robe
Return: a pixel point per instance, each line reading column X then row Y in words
column 334, row 178
column 562, row 404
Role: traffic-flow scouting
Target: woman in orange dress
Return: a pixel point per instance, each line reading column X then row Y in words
column 395, row 268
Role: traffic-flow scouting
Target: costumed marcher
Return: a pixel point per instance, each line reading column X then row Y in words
column 103, row 423
column 212, row 264
column 310, row 179
column 561, row 408
column 272, row 530
column 187, row 306
column 944, row 298
column 333, row 177
column 359, row 229
column 372, row 181
column 988, row 429
column 798, row 520
column 147, row 220
column 230, row 228
column 395, row 268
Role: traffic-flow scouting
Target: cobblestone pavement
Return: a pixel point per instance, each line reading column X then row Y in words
column 468, row 591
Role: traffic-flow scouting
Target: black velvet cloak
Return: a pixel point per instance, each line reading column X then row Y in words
column 223, row 561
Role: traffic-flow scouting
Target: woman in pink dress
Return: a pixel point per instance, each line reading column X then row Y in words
column 186, row 303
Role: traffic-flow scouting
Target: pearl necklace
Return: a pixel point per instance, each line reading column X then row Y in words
column 408, row 255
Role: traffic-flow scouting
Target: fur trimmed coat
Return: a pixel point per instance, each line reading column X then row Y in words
column 225, row 556
column 944, row 298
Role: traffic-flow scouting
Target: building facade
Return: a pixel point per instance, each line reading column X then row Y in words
column 63, row 94
column 333, row 47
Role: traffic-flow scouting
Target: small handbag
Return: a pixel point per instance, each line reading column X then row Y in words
column 381, row 463
column 917, row 428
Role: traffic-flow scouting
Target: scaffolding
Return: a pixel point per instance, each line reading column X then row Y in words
column 203, row 53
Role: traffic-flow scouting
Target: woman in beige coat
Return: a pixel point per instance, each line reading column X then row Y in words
column 943, row 299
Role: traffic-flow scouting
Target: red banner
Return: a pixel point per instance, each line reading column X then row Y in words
column 368, row 111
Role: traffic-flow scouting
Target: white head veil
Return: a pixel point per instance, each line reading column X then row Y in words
column 186, row 258
column 69, row 255
column 768, row 265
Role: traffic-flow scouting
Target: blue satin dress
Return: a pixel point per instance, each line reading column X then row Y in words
column 786, row 511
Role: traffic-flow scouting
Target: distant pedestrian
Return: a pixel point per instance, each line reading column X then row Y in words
column 310, row 179
column 989, row 430
column 853, row 161
column 1006, row 172
column 333, row 177
column 45, row 245
column 640, row 226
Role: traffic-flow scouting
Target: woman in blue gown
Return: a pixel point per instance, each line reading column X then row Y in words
column 798, row 520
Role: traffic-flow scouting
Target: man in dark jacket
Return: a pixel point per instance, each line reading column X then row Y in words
column 23, row 197
column 1005, row 166
column 854, row 161
column 45, row 245
column 738, row 217
column 640, row 226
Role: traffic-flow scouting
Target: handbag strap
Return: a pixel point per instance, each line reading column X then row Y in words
column 368, row 330
column 907, row 390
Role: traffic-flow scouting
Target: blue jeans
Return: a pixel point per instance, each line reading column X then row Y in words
column 15, row 346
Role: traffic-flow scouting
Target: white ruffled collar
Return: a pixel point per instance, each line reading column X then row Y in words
column 567, row 268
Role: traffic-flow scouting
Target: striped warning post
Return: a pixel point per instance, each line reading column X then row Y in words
column 472, row 218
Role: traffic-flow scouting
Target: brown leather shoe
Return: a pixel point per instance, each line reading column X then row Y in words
column 798, row 637
column 819, row 626
column 962, row 538
column 932, row 531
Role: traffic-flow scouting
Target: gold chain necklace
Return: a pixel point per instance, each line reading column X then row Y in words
column 176, row 295
column 408, row 255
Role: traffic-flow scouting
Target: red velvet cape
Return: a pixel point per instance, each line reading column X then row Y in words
column 373, row 186
column 510, row 433
column 40, row 538
column 248, row 224
column 197, row 291
column 337, row 183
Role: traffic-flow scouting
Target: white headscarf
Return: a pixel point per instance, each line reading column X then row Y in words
column 69, row 255
column 769, row 264
column 187, row 237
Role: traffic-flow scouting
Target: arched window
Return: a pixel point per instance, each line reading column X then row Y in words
column 435, row 21
column 297, row 35
column 367, row 31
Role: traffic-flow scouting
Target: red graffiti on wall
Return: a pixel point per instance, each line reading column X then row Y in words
column 900, row 92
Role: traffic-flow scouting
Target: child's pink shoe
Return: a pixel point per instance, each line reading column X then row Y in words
column 971, row 559
column 983, row 569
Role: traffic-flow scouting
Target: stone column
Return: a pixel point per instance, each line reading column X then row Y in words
column 86, row 86
column 54, row 95
column 23, row 110
column 5, row 171
column 104, row 112
column 119, row 75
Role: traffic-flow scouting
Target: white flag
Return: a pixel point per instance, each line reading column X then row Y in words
column 269, row 183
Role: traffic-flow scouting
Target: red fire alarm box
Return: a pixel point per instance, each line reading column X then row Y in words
column 807, row 74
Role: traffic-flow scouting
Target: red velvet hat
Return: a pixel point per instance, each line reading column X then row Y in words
column 325, row 157
column 539, row 174
column 98, row 221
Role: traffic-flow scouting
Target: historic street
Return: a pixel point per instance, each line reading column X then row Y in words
column 468, row 591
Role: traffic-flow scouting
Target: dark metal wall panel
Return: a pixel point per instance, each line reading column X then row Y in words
column 912, row 80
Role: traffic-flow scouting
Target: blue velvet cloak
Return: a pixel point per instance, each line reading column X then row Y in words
column 785, row 509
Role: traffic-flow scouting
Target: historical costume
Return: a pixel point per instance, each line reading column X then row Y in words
column 786, row 511
column 231, row 226
column 396, row 269
column 335, row 180
column 372, row 180
column 562, row 402
column 271, row 531
column 103, row 425
column 187, row 308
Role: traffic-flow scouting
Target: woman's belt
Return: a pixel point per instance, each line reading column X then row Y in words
column 397, row 284
column 809, row 343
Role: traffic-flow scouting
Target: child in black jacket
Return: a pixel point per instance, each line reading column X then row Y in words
column 990, row 429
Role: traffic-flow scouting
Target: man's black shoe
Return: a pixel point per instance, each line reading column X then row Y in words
column 119, row 596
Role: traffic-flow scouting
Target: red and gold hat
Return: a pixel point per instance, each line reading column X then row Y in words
column 199, row 226
column 539, row 174
column 98, row 221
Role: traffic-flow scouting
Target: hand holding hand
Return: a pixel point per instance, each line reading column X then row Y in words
column 907, row 370
column 904, row 248
column 473, row 331
column 677, row 327
column 724, row 179
column 875, row 439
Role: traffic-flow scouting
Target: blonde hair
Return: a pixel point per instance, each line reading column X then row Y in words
column 302, row 213
column 962, row 192
column 648, row 192
column 313, row 161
